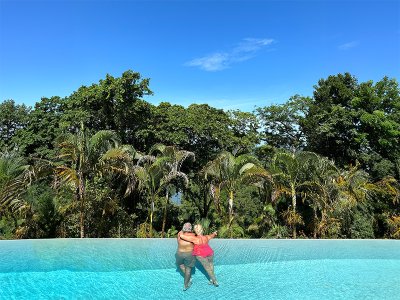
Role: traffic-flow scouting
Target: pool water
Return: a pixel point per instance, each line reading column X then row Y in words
column 245, row 269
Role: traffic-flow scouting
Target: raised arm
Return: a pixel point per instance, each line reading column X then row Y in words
column 212, row 235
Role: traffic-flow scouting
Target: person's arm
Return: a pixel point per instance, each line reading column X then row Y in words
column 195, row 239
column 212, row 235
column 190, row 238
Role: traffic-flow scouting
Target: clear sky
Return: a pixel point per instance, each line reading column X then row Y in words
column 229, row 54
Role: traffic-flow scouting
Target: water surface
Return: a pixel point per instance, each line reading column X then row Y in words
column 245, row 269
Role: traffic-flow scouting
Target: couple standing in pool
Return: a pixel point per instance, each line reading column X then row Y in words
column 192, row 246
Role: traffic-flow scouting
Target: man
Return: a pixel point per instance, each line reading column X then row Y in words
column 184, row 258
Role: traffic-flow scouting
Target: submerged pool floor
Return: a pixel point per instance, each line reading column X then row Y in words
column 281, row 275
column 313, row 279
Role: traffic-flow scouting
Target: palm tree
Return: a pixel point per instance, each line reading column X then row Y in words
column 15, row 177
column 390, row 188
column 354, row 187
column 290, row 172
column 263, row 179
column 198, row 192
column 120, row 161
column 80, row 160
column 321, row 192
column 226, row 173
column 172, row 168
column 155, row 173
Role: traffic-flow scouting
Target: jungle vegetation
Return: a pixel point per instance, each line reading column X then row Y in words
column 103, row 162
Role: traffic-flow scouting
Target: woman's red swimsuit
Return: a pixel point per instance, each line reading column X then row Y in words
column 203, row 249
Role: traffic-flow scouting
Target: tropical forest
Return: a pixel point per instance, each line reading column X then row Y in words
column 105, row 163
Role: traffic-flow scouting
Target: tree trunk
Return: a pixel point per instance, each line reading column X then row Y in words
column 81, row 190
column 315, row 224
column 151, row 217
column 204, row 212
column 230, row 212
column 82, row 223
column 165, row 215
column 230, row 207
column 293, row 192
column 324, row 222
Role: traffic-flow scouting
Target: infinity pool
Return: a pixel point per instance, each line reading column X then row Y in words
column 245, row 269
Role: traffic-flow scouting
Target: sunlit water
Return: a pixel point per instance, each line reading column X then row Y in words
column 245, row 269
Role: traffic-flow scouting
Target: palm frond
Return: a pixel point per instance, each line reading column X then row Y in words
column 103, row 139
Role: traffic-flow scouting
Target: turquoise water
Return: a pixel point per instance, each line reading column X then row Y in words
column 245, row 269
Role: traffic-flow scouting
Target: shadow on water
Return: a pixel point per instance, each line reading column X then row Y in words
column 198, row 267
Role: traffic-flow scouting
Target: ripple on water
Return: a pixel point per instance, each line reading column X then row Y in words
column 296, row 279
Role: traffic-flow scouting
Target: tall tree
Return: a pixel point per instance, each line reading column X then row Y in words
column 155, row 173
column 39, row 137
column 112, row 104
column 379, row 127
column 80, row 160
column 198, row 194
column 351, row 122
column 14, row 178
column 244, row 127
column 354, row 192
column 201, row 129
column 226, row 172
column 321, row 194
column 280, row 124
column 330, row 122
column 290, row 172
column 13, row 118
column 172, row 170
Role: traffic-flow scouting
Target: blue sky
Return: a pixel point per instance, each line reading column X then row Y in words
column 229, row 54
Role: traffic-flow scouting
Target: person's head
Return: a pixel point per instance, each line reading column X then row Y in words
column 198, row 229
column 187, row 227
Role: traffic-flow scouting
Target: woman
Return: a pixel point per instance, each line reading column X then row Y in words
column 203, row 252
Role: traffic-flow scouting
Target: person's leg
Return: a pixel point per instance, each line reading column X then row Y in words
column 180, row 262
column 189, row 262
column 182, row 268
column 208, row 266
column 211, row 264
column 187, row 282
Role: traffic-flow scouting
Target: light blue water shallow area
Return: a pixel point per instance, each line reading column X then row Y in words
column 246, row 269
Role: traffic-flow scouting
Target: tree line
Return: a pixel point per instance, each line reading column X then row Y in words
column 103, row 162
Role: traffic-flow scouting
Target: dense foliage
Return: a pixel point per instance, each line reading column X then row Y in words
column 104, row 162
